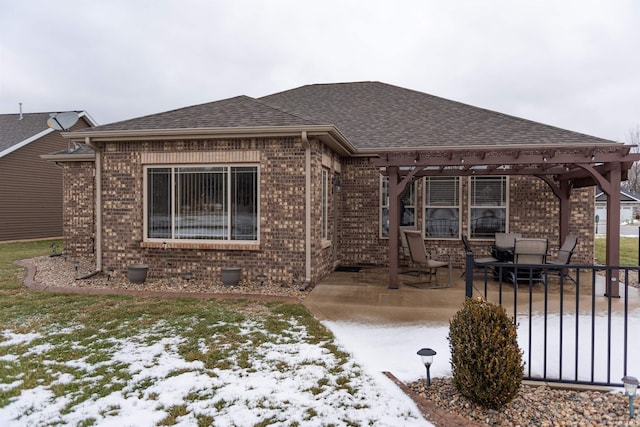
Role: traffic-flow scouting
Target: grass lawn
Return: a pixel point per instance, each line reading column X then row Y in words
column 86, row 360
column 628, row 251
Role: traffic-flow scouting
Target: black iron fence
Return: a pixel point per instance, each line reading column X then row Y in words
column 579, row 324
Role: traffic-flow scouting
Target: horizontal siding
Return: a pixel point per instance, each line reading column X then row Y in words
column 31, row 190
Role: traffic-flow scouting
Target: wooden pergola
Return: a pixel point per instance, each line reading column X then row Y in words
column 562, row 167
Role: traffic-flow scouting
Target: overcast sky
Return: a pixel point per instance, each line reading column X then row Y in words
column 572, row 63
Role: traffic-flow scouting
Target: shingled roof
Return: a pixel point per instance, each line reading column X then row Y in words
column 377, row 116
column 373, row 117
column 14, row 130
column 238, row 112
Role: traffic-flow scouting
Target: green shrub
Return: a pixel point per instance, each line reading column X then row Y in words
column 485, row 358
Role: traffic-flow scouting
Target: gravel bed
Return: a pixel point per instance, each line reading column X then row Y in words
column 536, row 406
column 56, row 271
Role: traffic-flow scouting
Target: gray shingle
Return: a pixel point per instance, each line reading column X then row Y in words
column 374, row 115
column 13, row 130
column 240, row 111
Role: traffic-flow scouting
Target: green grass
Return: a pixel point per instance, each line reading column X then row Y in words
column 222, row 334
column 628, row 251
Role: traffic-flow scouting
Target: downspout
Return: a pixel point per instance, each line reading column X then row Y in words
column 98, row 202
column 307, row 198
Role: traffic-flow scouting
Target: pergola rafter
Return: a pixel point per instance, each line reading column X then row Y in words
column 562, row 167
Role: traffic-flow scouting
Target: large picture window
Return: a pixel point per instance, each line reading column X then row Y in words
column 407, row 206
column 488, row 206
column 202, row 203
column 442, row 207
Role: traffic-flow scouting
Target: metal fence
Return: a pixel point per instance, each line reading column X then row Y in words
column 573, row 326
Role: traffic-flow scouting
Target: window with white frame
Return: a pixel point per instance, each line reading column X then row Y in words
column 442, row 207
column 487, row 206
column 325, row 204
column 202, row 203
column 407, row 206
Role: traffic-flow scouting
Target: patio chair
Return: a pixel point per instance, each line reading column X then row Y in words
column 502, row 250
column 480, row 263
column 532, row 252
column 424, row 259
column 404, row 247
column 563, row 258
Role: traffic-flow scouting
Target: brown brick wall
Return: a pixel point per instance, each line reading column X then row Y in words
column 78, row 216
column 281, row 253
column 354, row 221
column 533, row 211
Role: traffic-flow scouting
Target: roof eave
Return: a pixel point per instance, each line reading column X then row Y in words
column 329, row 134
column 69, row 157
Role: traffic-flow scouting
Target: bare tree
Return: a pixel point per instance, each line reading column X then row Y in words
column 633, row 176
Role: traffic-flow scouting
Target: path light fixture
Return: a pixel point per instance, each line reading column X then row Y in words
column 110, row 272
column 187, row 275
column 427, row 359
column 262, row 278
column 630, row 388
column 75, row 265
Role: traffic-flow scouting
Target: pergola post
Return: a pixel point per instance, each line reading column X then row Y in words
column 613, row 231
column 394, row 227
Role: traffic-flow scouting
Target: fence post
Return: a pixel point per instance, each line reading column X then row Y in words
column 468, row 289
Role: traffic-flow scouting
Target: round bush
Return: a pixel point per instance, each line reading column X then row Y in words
column 485, row 358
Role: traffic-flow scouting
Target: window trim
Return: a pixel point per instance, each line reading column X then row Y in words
column 196, row 243
column 458, row 207
column 506, row 205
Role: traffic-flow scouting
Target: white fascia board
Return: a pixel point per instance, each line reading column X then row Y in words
column 25, row 142
column 88, row 118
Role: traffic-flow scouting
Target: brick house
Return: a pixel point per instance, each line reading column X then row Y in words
column 294, row 184
column 31, row 189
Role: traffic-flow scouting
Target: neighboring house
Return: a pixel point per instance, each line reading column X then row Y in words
column 629, row 206
column 293, row 184
column 31, row 188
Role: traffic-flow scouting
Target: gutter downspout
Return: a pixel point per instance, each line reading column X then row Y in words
column 307, row 239
column 98, row 203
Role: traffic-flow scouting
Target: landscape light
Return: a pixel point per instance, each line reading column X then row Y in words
column 427, row 359
column 630, row 388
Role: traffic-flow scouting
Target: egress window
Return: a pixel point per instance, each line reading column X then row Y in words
column 202, row 203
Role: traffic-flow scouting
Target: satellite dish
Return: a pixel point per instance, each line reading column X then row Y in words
column 62, row 121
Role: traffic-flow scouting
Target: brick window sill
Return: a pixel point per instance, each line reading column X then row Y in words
column 227, row 246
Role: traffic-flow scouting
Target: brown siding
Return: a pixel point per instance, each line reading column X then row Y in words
column 31, row 190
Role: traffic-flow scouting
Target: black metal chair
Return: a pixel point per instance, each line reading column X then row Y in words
column 480, row 263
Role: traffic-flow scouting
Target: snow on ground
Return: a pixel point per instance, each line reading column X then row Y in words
column 256, row 394
column 281, row 387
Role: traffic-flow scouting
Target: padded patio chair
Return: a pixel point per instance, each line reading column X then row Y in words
column 532, row 252
column 563, row 258
column 480, row 263
column 424, row 259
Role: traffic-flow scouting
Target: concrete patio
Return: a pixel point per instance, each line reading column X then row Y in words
column 364, row 296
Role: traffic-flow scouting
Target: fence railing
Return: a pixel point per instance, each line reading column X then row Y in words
column 574, row 326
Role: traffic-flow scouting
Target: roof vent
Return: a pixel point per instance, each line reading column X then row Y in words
column 20, row 104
